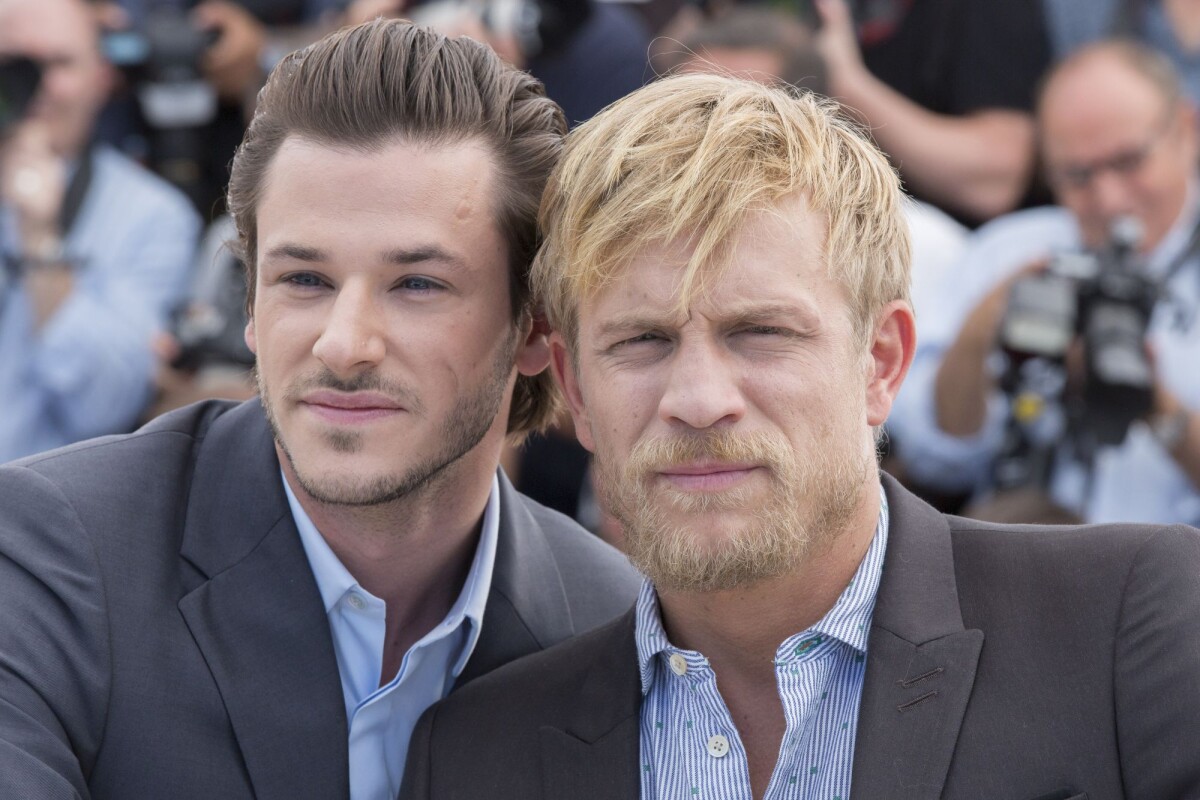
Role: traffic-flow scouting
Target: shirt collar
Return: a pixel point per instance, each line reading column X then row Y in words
column 849, row 620
column 334, row 580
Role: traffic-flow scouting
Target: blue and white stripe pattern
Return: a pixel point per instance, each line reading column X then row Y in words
column 690, row 748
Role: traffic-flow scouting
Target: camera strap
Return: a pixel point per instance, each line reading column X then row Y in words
column 76, row 193
column 72, row 202
column 1182, row 316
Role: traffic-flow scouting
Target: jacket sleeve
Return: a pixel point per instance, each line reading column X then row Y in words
column 54, row 654
column 1157, row 668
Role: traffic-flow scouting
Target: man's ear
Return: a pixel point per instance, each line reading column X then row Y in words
column 563, row 368
column 533, row 354
column 251, row 339
column 891, row 354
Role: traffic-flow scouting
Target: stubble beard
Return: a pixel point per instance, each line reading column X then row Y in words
column 808, row 504
column 464, row 427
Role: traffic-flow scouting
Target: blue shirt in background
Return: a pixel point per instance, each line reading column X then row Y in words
column 89, row 370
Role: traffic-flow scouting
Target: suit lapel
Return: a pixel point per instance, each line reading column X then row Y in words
column 527, row 607
column 921, row 661
column 259, row 620
column 595, row 755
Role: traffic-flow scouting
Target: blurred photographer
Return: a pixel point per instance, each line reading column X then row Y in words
column 1119, row 148
column 95, row 249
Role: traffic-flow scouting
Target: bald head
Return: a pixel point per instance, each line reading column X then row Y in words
column 63, row 37
column 1117, row 139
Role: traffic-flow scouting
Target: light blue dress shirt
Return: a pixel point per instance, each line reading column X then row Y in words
column 1136, row 481
column 690, row 748
column 382, row 718
column 89, row 370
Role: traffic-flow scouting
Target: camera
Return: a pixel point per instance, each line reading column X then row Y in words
column 161, row 60
column 210, row 328
column 1106, row 298
column 19, row 79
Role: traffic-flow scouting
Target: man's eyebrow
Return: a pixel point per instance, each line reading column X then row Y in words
column 406, row 256
column 749, row 313
column 757, row 312
column 399, row 256
column 296, row 252
column 637, row 321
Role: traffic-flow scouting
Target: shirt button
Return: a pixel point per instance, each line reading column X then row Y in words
column 718, row 746
column 357, row 602
column 678, row 664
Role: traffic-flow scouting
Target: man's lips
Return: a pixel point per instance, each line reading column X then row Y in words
column 708, row 476
column 340, row 407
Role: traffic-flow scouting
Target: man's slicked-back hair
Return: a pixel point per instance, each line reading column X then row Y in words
column 372, row 85
column 687, row 159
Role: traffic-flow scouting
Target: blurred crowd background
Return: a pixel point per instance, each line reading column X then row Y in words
column 1049, row 148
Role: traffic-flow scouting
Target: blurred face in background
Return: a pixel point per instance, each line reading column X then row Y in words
column 1114, row 146
column 62, row 36
column 753, row 64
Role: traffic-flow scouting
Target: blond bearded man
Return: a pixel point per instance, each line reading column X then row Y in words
column 726, row 269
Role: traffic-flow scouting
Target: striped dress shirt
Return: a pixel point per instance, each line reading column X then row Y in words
column 690, row 748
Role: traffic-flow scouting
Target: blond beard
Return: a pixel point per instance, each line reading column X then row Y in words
column 807, row 506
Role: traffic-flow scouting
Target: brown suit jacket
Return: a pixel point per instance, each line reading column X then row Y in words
column 1013, row 662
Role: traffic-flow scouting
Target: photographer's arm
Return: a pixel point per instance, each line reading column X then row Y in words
column 977, row 165
column 963, row 381
column 1178, row 430
column 34, row 183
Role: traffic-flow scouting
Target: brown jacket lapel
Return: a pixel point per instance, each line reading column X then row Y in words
column 595, row 754
column 921, row 661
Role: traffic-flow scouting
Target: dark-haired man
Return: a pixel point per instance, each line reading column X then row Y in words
column 259, row 600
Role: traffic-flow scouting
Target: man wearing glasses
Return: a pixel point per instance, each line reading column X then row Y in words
column 1119, row 147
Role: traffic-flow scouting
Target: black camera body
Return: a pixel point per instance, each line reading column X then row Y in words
column 161, row 60
column 210, row 328
column 19, row 79
column 1106, row 298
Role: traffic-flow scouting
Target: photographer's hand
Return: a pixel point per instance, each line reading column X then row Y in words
column 963, row 380
column 233, row 63
column 34, row 183
column 1174, row 426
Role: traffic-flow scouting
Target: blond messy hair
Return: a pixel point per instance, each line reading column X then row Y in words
column 692, row 156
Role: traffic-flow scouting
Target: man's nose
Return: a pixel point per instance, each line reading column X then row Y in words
column 353, row 337
column 703, row 387
column 1110, row 195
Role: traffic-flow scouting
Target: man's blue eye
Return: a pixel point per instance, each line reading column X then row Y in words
column 304, row 279
column 418, row 284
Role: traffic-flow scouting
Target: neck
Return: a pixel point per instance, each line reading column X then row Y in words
column 414, row 553
column 740, row 630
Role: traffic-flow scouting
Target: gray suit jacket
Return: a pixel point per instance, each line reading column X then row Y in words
column 162, row 635
column 1002, row 662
